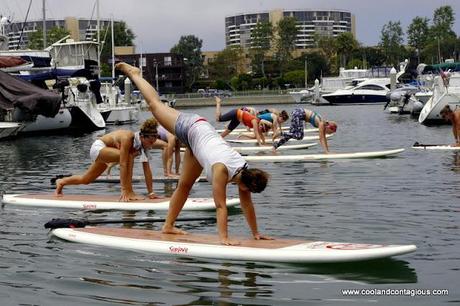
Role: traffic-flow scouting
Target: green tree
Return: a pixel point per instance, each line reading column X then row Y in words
column 442, row 39
column 295, row 78
column 345, row 44
column 261, row 37
column 391, row 39
column 417, row 34
column 286, row 41
column 189, row 47
column 52, row 35
column 443, row 20
column 122, row 36
column 372, row 56
column 227, row 63
column 317, row 65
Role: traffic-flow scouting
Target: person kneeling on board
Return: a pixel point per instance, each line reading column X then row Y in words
column 120, row 146
column 204, row 149
column 454, row 117
column 237, row 116
column 298, row 117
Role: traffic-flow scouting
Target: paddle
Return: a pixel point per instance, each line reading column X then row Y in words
column 59, row 176
column 417, row 144
column 74, row 223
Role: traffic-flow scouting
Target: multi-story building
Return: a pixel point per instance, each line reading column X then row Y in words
column 309, row 22
column 165, row 71
column 79, row 29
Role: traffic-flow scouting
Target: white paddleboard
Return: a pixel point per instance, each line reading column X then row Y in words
column 269, row 148
column 284, row 128
column 208, row 246
column 435, row 147
column 140, row 178
column 270, row 141
column 104, row 202
column 331, row 156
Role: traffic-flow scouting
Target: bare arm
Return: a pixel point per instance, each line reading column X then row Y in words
column 260, row 138
column 276, row 128
column 148, row 180
column 456, row 130
column 322, row 137
column 250, row 214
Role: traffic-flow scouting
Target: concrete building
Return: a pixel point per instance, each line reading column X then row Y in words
column 79, row 29
column 309, row 22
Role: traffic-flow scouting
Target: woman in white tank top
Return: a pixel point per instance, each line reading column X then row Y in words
column 205, row 149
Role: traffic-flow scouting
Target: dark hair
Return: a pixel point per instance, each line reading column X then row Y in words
column 255, row 179
column 446, row 110
column 284, row 115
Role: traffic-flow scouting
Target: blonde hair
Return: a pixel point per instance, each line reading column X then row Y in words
column 149, row 127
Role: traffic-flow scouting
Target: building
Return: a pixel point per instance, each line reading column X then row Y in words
column 165, row 71
column 79, row 29
column 309, row 22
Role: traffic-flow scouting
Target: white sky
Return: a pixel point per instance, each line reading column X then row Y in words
column 158, row 24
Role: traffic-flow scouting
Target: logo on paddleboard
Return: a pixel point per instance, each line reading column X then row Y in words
column 352, row 246
column 89, row 206
column 178, row 250
column 343, row 246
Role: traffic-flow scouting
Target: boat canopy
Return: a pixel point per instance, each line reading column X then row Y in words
column 17, row 93
column 444, row 67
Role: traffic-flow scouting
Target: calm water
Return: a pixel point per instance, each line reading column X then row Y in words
column 409, row 199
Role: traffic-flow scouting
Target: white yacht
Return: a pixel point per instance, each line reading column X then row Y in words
column 122, row 111
column 367, row 91
column 302, row 96
column 443, row 94
column 9, row 129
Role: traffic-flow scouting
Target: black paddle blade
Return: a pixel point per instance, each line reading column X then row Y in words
column 59, row 176
column 64, row 223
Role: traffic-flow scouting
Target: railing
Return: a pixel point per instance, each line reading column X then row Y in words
column 233, row 94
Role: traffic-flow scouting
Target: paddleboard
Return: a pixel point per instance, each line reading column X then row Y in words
column 331, row 156
column 105, row 202
column 284, row 128
column 140, row 178
column 208, row 246
column 439, row 147
column 269, row 148
column 270, row 141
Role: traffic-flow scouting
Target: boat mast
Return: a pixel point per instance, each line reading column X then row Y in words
column 44, row 23
column 98, row 41
column 113, row 50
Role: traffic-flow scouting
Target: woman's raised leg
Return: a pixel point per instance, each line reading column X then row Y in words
column 167, row 116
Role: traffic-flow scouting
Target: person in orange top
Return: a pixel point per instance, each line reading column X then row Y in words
column 237, row 116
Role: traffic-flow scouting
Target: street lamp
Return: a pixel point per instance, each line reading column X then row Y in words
column 439, row 51
column 306, row 73
column 156, row 74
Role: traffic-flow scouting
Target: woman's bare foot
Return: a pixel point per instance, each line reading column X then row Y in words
column 127, row 69
column 59, row 187
column 172, row 230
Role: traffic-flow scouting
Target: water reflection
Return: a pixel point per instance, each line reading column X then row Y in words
column 456, row 162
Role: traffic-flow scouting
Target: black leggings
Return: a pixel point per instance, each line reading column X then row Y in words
column 232, row 117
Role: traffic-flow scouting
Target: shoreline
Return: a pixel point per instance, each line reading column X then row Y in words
column 238, row 100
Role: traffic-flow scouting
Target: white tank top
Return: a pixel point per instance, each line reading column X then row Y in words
column 210, row 148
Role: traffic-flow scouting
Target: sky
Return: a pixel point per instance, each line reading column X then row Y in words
column 159, row 24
